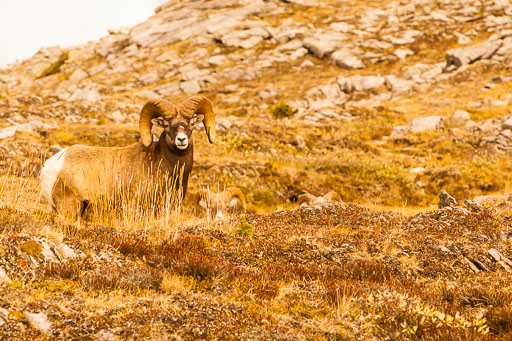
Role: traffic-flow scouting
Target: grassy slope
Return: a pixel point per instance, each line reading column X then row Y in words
column 332, row 273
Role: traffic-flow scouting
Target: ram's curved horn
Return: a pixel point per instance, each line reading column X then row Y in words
column 332, row 196
column 202, row 106
column 305, row 198
column 151, row 110
column 235, row 192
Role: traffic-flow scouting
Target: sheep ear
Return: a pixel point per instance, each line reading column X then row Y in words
column 196, row 119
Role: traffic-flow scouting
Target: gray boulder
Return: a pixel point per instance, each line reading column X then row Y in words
column 360, row 83
column 78, row 75
column 398, row 85
column 322, row 45
column 169, row 26
column 346, row 60
column 147, row 94
column 168, row 89
column 39, row 321
column 507, row 124
column 149, row 78
column 400, row 131
column 32, row 126
column 427, row 123
column 467, row 55
column 376, row 44
column 402, row 53
column 446, row 200
column 112, row 43
column 88, row 94
column 461, row 115
column 190, row 87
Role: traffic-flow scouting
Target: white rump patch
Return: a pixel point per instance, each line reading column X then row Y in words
column 49, row 175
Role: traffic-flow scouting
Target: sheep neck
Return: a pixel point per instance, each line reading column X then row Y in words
column 174, row 156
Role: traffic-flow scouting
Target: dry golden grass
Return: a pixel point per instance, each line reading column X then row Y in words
column 377, row 268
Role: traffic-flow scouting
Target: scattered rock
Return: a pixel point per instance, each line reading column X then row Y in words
column 112, row 43
column 117, row 116
column 168, row 26
column 78, row 75
column 97, row 69
column 495, row 200
column 168, row 89
column 105, row 335
column 322, row 45
column 444, row 249
column 398, row 85
column 299, row 142
column 399, row 131
column 217, row 60
column 446, row 200
column 427, row 123
column 342, row 27
column 346, row 60
column 190, row 87
column 507, row 124
column 473, row 206
column 246, row 39
column 4, row 278
column 149, row 78
column 7, row 132
column 31, row 127
column 470, row 54
column 360, row 83
column 147, row 94
column 39, row 321
column 67, row 252
column 417, row 170
column 500, row 259
column 376, row 44
column 87, row 94
column 306, row 64
column 403, row 53
column 223, row 124
column 461, row 115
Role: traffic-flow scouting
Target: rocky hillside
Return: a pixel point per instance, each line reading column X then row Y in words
column 384, row 102
column 394, row 99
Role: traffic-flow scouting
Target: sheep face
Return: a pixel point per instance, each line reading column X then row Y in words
column 178, row 132
column 229, row 201
column 309, row 200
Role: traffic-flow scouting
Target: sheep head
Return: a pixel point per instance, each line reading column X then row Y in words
column 308, row 199
column 231, row 200
column 177, row 122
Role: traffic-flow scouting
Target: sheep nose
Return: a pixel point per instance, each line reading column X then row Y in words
column 181, row 139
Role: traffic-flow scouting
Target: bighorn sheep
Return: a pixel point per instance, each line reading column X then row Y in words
column 81, row 175
column 232, row 199
column 308, row 199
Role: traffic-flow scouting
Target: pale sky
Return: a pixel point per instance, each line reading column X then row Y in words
column 28, row 25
